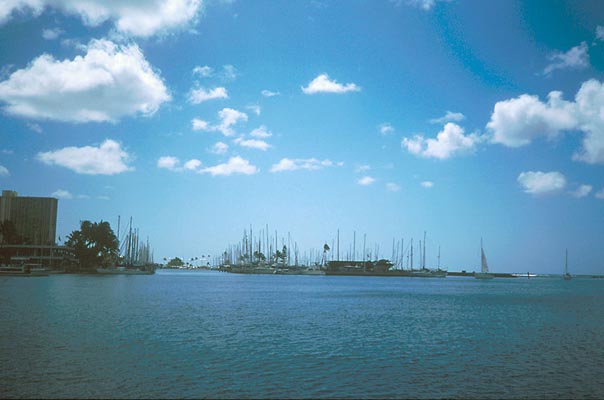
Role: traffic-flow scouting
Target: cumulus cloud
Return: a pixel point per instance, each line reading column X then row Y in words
column 362, row 168
column 366, row 181
column 425, row 5
column 235, row 165
column 255, row 108
column 199, row 125
column 107, row 159
column 427, row 184
column 537, row 182
column 599, row 194
column 137, row 18
column 575, row 58
column 517, row 122
column 448, row 117
column 582, row 191
column 393, row 187
column 52, row 34
column 449, row 142
column 228, row 118
column 268, row 93
column 107, row 83
column 62, row 194
column 253, row 144
column 204, row 72
column 169, row 163
column 192, row 165
column 197, row 96
column 4, row 171
column 386, row 129
column 600, row 33
column 261, row 132
column 310, row 164
column 220, row 148
column 322, row 84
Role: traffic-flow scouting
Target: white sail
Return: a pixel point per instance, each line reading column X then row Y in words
column 485, row 266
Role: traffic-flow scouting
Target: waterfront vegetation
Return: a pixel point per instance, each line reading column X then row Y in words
column 94, row 245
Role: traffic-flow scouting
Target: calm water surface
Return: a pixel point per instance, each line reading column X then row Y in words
column 208, row 334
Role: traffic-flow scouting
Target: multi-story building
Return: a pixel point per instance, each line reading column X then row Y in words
column 35, row 221
column 35, row 218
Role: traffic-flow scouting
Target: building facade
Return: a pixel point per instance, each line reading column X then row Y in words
column 35, row 218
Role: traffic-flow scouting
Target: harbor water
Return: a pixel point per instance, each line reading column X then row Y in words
column 182, row 334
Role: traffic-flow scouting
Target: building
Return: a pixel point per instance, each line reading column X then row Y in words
column 35, row 218
column 35, row 221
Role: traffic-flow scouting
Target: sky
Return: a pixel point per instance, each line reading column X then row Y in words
column 381, row 119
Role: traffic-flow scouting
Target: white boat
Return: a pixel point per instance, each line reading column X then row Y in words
column 567, row 276
column 484, row 269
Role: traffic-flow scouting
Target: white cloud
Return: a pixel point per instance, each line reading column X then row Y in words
column 537, row 182
column 255, row 108
column 62, row 194
column 228, row 118
column 220, row 148
column 268, row 93
column 427, row 184
column 229, row 72
column 108, row 82
column 575, row 58
column 137, row 18
column 204, row 72
column 107, row 159
column 4, row 171
column 362, row 168
column 386, row 129
column 449, row 142
column 235, row 165
column 261, row 132
column 199, row 125
column 393, row 187
column 310, row 164
column 197, row 96
column 516, row 122
column 192, row 165
column 169, row 163
column 253, row 144
column 582, row 191
column 366, row 180
column 52, row 34
column 600, row 33
column 322, row 84
column 448, row 117
column 425, row 5
column 599, row 194
column 34, row 127
column 7, row 151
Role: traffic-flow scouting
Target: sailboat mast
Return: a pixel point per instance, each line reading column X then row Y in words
column 566, row 263
column 424, row 255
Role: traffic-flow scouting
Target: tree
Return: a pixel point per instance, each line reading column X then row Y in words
column 8, row 236
column 94, row 244
column 175, row 263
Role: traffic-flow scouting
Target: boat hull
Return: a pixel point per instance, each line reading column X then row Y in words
column 126, row 271
column 483, row 275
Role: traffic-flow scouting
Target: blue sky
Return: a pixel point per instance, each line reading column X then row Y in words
column 465, row 119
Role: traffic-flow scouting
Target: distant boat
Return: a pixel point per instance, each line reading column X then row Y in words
column 567, row 276
column 484, row 271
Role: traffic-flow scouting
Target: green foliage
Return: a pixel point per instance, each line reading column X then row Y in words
column 175, row 262
column 8, row 236
column 258, row 255
column 94, row 244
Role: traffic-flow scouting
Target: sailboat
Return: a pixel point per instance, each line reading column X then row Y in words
column 567, row 276
column 484, row 270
